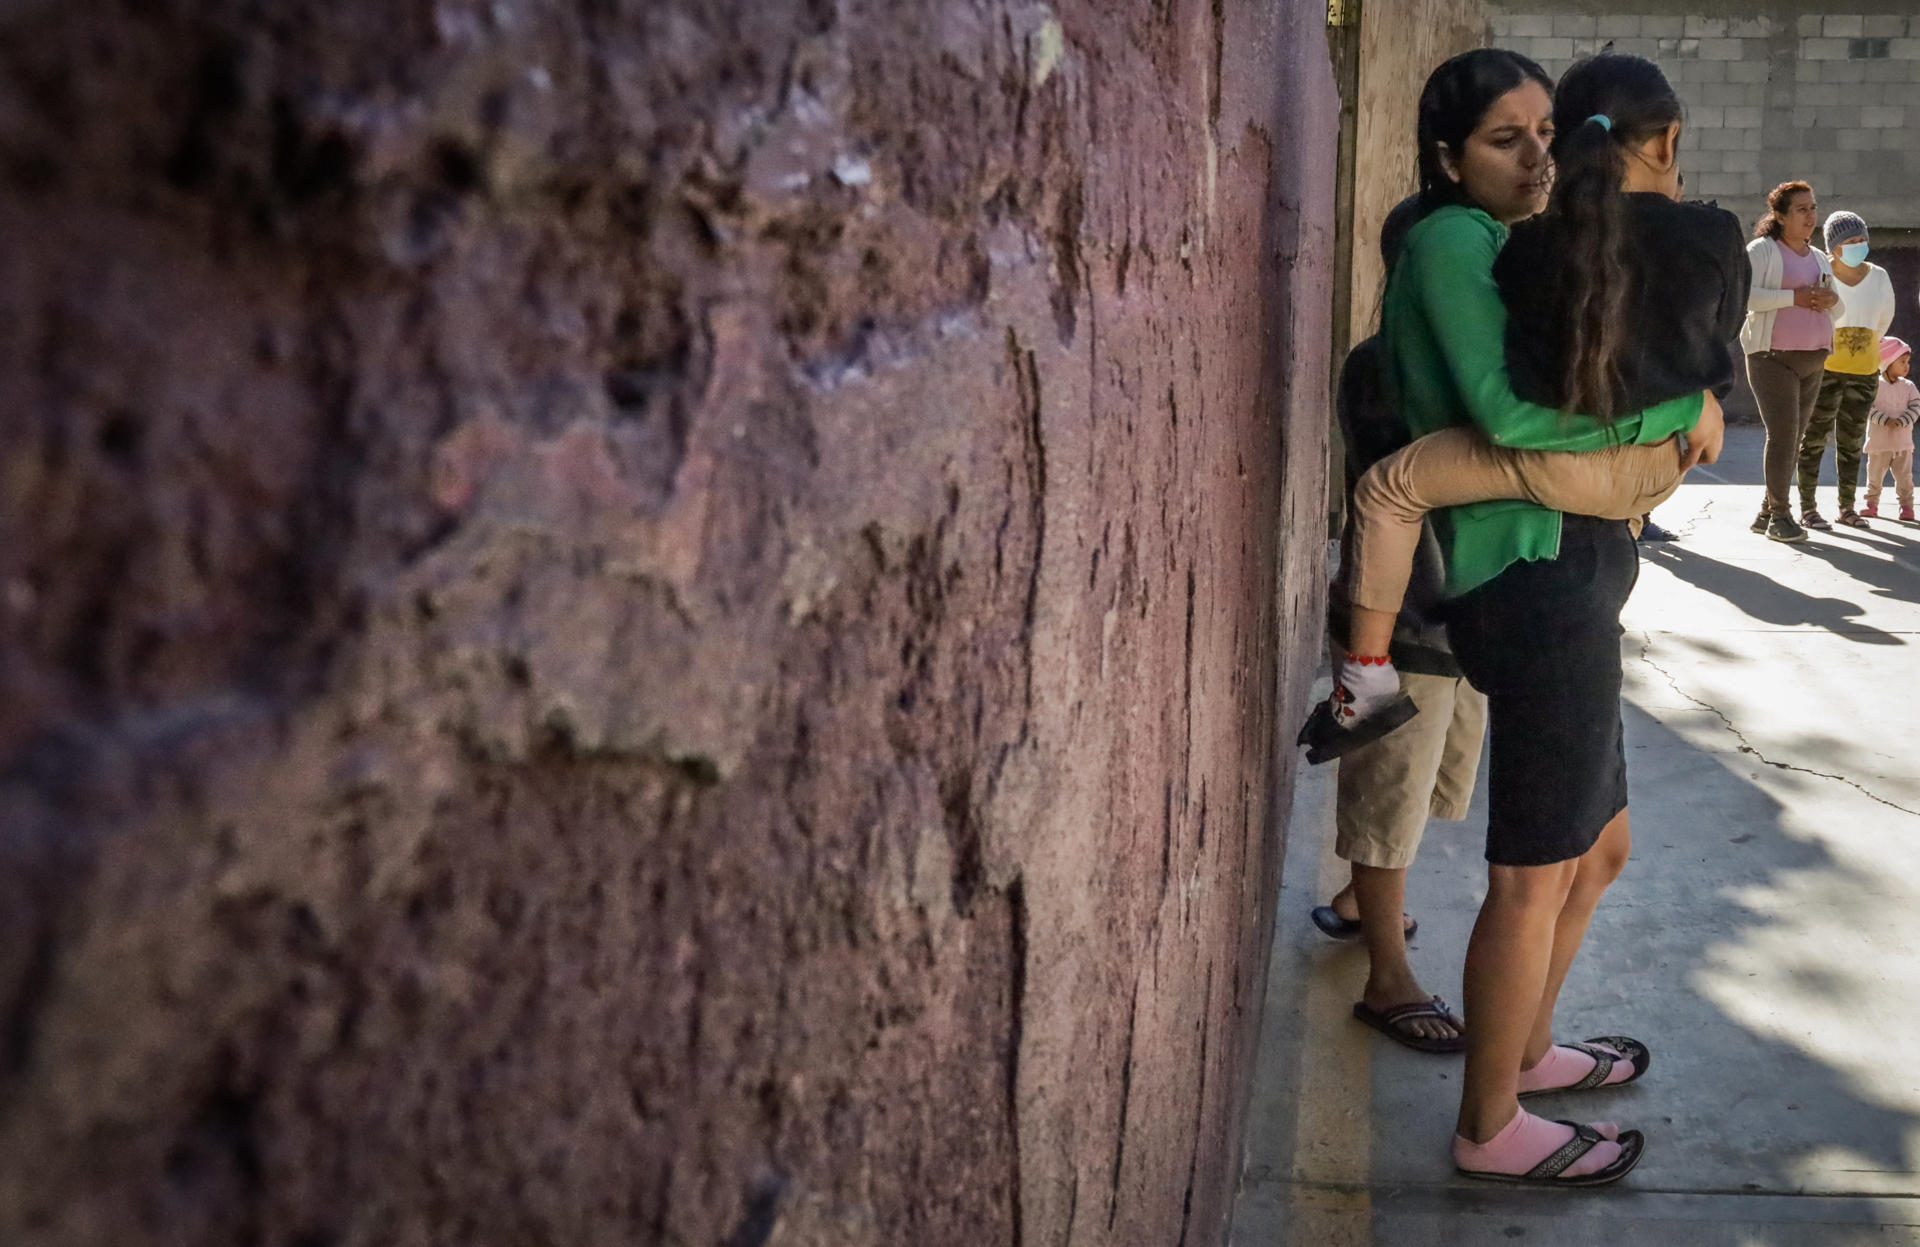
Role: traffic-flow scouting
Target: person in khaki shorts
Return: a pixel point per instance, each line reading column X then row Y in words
column 1387, row 790
column 1385, row 794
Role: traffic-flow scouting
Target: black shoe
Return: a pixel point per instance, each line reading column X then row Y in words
column 1651, row 531
column 1810, row 518
column 1760, row 520
column 1326, row 740
column 1783, row 528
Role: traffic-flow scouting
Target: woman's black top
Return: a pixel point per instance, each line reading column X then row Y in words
column 1688, row 272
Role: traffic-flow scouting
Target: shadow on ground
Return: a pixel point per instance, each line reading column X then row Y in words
column 1765, row 966
column 1889, row 577
column 1764, row 598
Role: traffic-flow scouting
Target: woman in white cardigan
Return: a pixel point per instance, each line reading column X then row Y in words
column 1791, row 310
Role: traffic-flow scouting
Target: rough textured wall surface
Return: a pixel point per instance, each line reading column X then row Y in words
column 648, row 621
column 1401, row 42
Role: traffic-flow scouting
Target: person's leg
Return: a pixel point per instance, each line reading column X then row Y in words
column 1394, row 495
column 1381, row 895
column 1457, row 466
column 1460, row 755
column 1813, row 438
column 1878, row 461
column 1618, row 483
column 1346, row 902
column 1509, row 958
column 1390, row 503
column 1597, row 870
column 1383, row 794
column 1811, row 368
column 1346, row 906
column 1543, row 640
column 1776, row 390
column 1903, row 481
column 1850, row 433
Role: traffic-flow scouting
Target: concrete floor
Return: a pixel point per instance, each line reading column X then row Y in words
column 1764, row 941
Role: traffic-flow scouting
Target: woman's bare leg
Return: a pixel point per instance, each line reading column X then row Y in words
column 1599, row 866
column 1509, row 959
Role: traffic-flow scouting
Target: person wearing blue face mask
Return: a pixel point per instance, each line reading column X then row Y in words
column 1852, row 372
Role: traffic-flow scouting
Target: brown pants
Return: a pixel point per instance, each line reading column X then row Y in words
column 1457, row 465
column 1898, row 462
column 1786, row 384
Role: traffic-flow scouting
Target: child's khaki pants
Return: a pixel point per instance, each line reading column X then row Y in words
column 1898, row 462
column 1458, row 465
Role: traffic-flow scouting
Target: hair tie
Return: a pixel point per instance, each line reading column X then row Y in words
column 1606, row 122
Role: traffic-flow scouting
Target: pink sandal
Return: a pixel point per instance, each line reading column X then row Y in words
column 1551, row 1170
column 1607, row 1052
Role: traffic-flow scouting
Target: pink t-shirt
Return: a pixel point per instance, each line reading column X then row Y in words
column 1800, row 328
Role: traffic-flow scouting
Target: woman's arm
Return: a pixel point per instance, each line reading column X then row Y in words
column 1838, row 309
column 1764, row 298
column 1736, row 278
column 1452, row 268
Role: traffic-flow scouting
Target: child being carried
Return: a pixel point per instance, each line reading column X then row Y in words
column 1685, row 275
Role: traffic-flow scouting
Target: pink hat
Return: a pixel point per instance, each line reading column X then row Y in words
column 1892, row 348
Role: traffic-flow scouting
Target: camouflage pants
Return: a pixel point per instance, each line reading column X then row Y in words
column 1841, row 412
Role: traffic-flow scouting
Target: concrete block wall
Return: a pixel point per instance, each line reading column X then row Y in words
column 1830, row 97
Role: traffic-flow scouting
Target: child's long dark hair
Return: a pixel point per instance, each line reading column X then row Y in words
column 1456, row 97
column 1590, row 163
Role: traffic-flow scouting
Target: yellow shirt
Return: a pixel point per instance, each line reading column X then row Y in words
column 1856, row 350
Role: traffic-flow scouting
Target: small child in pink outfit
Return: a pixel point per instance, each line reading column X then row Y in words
column 1890, row 428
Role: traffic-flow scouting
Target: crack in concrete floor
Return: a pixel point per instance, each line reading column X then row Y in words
column 1746, row 747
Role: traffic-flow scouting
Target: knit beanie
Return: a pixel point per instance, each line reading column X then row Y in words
column 1844, row 225
column 1891, row 348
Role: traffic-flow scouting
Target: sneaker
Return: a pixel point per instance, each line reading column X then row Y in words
column 1811, row 518
column 1651, row 531
column 1871, row 510
column 1852, row 519
column 1782, row 528
column 1906, row 514
column 1760, row 520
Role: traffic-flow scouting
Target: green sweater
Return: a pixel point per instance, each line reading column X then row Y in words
column 1445, row 333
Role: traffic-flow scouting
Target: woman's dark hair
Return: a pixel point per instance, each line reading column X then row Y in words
column 1452, row 104
column 1779, row 200
column 1605, row 106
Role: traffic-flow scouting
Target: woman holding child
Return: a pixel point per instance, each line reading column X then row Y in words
column 1598, row 327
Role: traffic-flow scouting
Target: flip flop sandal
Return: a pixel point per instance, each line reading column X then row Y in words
column 1388, row 1023
column 1632, row 1051
column 1633, row 1146
column 1326, row 739
column 1334, row 927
